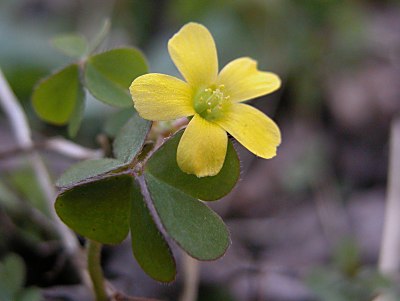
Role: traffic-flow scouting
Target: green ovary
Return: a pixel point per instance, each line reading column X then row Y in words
column 211, row 103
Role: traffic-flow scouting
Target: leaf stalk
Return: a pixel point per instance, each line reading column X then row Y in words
column 95, row 271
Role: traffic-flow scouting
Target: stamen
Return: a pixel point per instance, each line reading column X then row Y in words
column 211, row 103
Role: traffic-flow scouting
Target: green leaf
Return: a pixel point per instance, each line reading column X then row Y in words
column 12, row 273
column 55, row 98
column 130, row 139
column 196, row 228
column 117, row 120
column 148, row 244
column 87, row 169
column 77, row 117
column 72, row 45
column 108, row 75
column 98, row 210
column 164, row 167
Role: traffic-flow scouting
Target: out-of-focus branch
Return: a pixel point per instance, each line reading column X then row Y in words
column 59, row 145
column 15, row 114
column 72, row 150
column 22, row 132
column 389, row 261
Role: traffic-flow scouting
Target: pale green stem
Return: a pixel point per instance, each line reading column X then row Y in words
column 191, row 278
column 95, row 271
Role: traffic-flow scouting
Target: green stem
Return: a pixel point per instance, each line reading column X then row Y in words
column 95, row 271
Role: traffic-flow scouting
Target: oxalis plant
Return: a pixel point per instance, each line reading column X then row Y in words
column 162, row 172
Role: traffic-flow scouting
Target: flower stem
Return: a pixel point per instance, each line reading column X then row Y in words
column 95, row 271
column 191, row 278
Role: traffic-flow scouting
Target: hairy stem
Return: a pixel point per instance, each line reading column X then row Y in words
column 95, row 271
column 56, row 144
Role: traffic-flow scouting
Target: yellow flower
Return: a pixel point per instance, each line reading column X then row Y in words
column 214, row 100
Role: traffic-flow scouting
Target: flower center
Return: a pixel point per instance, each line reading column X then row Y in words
column 211, row 103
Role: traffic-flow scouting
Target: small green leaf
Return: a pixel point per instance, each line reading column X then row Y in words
column 87, row 169
column 148, row 244
column 77, row 117
column 55, row 98
column 130, row 139
column 117, row 120
column 72, row 45
column 164, row 167
column 196, row 228
column 12, row 273
column 98, row 210
column 108, row 75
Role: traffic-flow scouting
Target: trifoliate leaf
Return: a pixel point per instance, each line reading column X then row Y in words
column 56, row 97
column 77, row 117
column 148, row 244
column 87, row 169
column 98, row 210
column 100, row 36
column 163, row 166
column 196, row 228
column 117, row 120
column 72, row 45
column 131, row 138
column 108, row 75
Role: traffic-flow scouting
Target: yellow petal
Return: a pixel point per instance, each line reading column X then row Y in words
column 193, row 51
column 243, row 81
column 254, row 130
column 161, row 97
column 202, row 148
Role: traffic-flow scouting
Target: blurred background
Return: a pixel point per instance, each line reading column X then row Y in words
column 306, row 225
